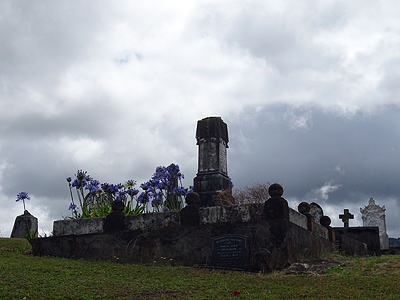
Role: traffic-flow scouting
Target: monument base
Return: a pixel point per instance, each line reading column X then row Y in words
column 209, row 184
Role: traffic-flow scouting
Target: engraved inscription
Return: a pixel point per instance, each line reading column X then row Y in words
column 228, row 249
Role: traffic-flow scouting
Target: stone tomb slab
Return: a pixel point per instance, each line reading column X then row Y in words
column 229, row 250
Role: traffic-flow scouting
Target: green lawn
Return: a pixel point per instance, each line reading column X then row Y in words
column 23, row 276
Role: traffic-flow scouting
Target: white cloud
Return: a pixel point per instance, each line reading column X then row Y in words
column 322, row 193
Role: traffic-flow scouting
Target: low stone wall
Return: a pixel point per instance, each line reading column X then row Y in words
column 269, row 245
column 152, row 221
column 369, row 236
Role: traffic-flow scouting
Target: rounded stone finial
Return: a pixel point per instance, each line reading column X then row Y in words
column 117, row 205
column 192, row 198
column 325, row 221
column 275, row 190
column 304, row 208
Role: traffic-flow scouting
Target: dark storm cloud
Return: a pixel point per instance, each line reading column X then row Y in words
column 334, row 161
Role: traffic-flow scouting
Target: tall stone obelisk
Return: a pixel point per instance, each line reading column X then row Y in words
column 212, row 175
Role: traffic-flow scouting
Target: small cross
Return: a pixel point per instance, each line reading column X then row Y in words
column 346, row 217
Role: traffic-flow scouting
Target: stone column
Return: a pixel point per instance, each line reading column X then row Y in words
column 212, row 176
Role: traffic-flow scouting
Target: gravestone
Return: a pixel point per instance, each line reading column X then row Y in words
column 345, row 217
column 23, row 224
column 229, row 250
column 374, row 215
column 316, row 211
column 212, row 176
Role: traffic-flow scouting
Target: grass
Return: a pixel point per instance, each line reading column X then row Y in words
column 23, row 276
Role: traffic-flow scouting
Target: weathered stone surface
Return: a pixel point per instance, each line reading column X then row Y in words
column 212, row 176
column 23, row 224
column 312, row 267
column 374, row 215
column 272, row 244
column 297, row 218
column 115, row 221
column 190, row 215
column 276, row 208
column 369, row 236
column 207, row 215
column 79, row 226
column 316, row 212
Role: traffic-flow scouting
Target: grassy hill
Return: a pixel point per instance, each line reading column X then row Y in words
column 23, row 276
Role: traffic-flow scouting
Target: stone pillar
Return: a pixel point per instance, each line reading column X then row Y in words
column 276, row 207
column 23, row 224
column 374, row 215
column 305, row 209
column 212, row 176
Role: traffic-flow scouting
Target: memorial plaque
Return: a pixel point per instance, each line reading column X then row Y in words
column 229, row 249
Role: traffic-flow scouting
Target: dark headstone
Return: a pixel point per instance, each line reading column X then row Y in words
column 229, row 250
column 23, row 224
column 212, row 176
column 115, row 221
column 276, row 207
column 190, row 215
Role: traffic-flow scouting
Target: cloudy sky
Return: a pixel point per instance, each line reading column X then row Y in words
column 309, row 90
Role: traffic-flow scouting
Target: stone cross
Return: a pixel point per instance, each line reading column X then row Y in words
column 346, row 217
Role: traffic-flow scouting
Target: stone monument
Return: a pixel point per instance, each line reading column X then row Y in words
column 212, row 176
column 374, row 215
column 25, row 225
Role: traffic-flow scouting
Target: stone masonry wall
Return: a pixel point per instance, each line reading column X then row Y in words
column 152, row 221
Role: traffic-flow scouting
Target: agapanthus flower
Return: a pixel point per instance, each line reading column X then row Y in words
column 22, row 196
column 93, row 186
column 121, row 196
column 132, row 192
column 156, row 202
column 81, row 175
column 130, row 183
column 72, row 206
column 143, row 198
column 179, row 191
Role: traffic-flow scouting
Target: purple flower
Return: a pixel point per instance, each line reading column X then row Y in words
column 130, row 183
column 22, row 196
column 72, row 206
column 121, row 196
column 132, row 192
column 69, row 179
column 80, row 175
